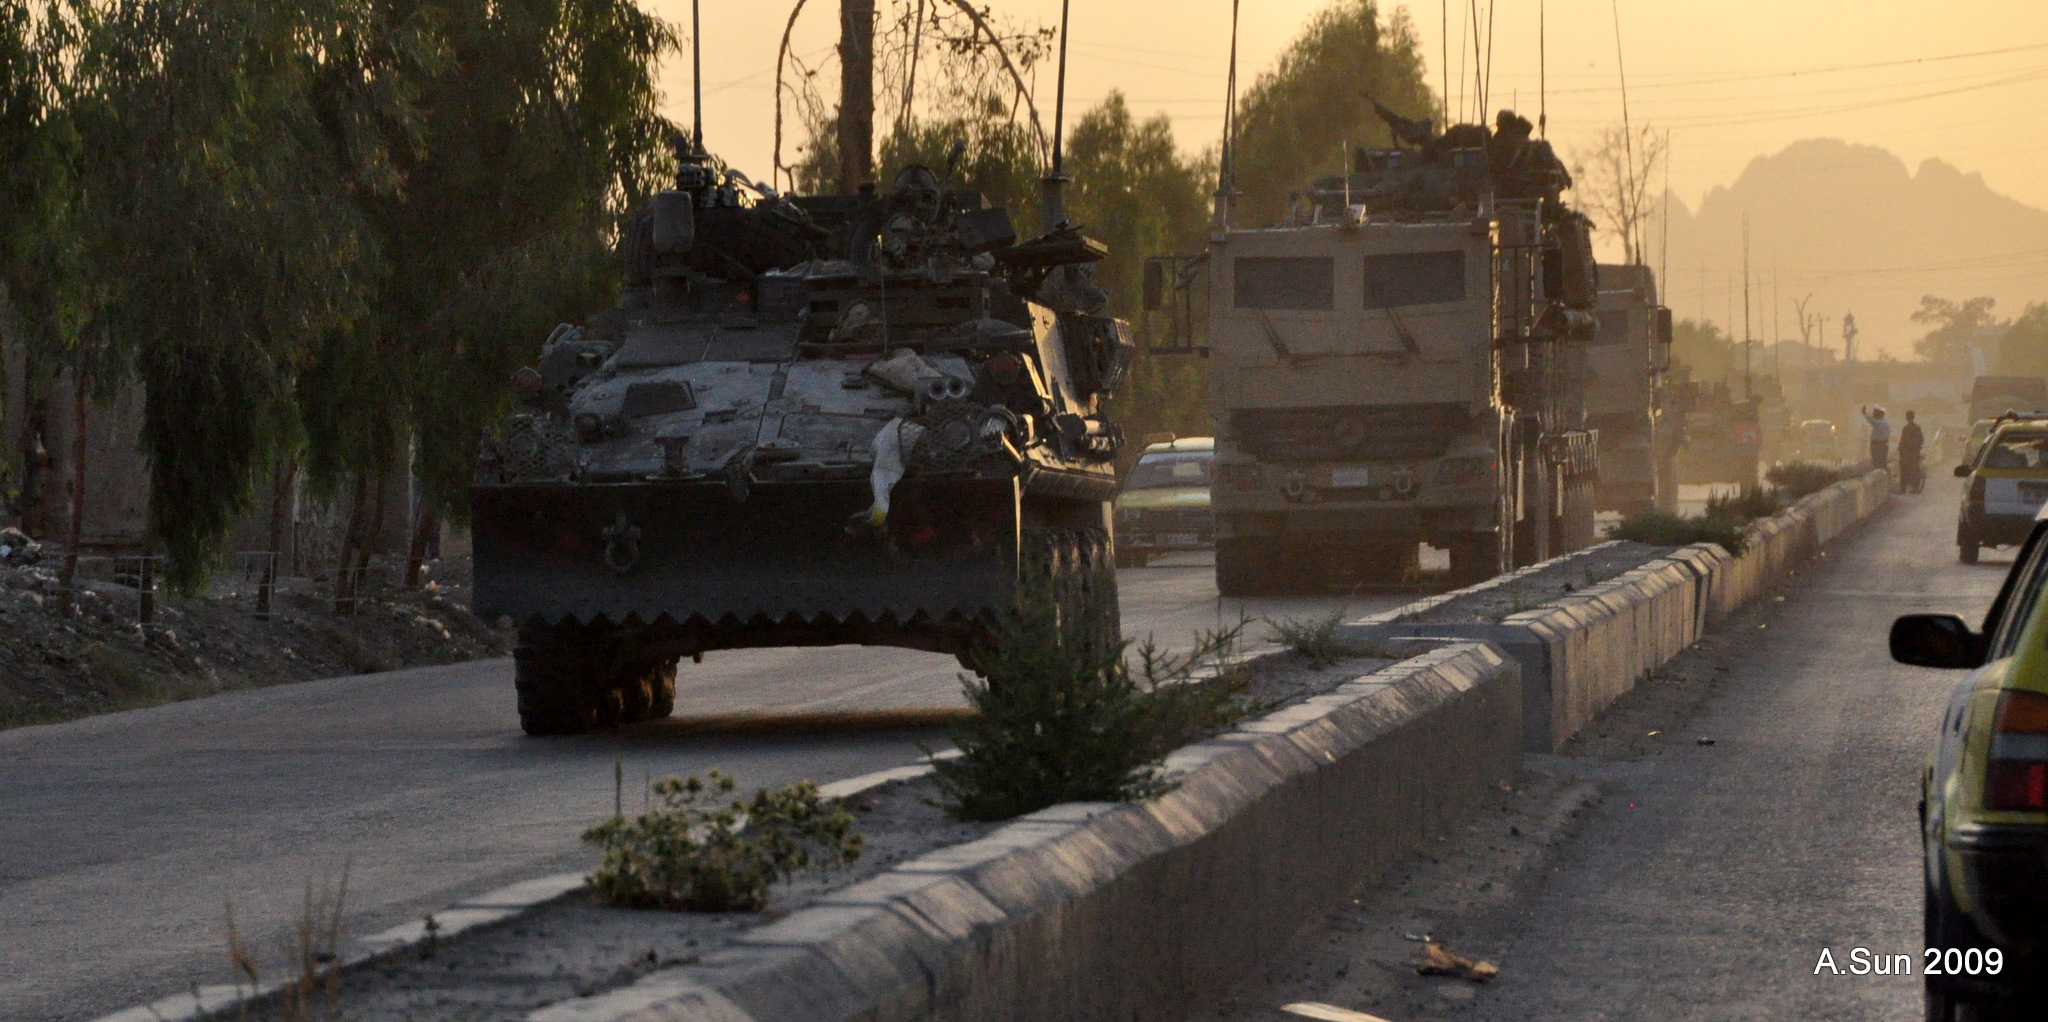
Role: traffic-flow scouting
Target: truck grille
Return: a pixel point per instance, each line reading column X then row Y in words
column 1378, row 432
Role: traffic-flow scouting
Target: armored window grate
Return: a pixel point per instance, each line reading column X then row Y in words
column 1414, row 278
column 1268, row 282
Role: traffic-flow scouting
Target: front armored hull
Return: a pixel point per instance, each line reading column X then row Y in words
column 700, row 566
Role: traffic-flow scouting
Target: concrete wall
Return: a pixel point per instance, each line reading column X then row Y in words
column 1125, row 911
column 1581, row 652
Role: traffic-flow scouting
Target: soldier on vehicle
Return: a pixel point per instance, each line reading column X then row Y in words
column 1880, row 436
column 1910, row 441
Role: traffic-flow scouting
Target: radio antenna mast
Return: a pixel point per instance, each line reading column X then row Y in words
column 697, row 82
column 1054, row 210
column 1631, row 214
column 1226, row 171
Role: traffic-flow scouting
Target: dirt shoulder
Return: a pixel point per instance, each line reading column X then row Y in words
column 61, row 662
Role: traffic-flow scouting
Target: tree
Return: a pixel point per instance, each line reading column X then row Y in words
column 1955, row 327
column 1300, row 119
column 1612, row 181
column 2023, row 351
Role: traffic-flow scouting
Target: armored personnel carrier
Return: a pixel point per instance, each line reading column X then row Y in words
column 1627, row 361
column 1401, row 360
column 848, row 419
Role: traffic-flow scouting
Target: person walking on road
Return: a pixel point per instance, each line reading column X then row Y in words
column 1880, row 436
column 1909, row 455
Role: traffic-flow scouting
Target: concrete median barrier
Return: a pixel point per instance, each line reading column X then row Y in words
column 1581, row 652
column 1148, row 909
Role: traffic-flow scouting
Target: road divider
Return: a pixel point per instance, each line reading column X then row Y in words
column 1145, row 909
column 1581, row 651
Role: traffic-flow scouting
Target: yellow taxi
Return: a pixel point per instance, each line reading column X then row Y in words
column 1164, row 505
column 2008, row 485
column 1984, row 801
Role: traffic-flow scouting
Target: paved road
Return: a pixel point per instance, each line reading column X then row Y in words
column 1706, row 886
column 123, row 838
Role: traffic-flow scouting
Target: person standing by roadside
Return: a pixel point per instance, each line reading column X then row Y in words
column 1880, row 436
column 1910, row 441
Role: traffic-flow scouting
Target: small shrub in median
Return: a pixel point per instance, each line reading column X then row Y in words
column 1061, row 717
column 704, row 850
column 1315, row 638
column 1797, row 480
column 1744, row 506
column 1663, row 528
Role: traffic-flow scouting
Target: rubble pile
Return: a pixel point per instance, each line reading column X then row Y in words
column 61, row 659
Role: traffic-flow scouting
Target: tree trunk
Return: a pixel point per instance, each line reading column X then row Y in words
column 430, row 523
column 372, row 534
column 856, row 94
column 280, row 519
column 344, row 580
column 70, row 578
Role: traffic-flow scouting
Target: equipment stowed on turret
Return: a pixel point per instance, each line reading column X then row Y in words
column 1401, row 360
column 810, row 421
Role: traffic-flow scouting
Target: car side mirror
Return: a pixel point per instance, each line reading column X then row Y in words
column 1962, row 471
column 1936, row 640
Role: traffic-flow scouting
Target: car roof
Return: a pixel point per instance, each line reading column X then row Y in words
column 1186, row 443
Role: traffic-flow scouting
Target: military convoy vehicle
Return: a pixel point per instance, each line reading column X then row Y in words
column 809, row 421
column 1400, row 360
column 1626, row 364
column 1723, row 436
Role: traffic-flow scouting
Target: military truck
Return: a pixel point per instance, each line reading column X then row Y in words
column 1992, row 396
column 809, row 421
column 1723, row 436
column 1400, row 361
column 1626, row 364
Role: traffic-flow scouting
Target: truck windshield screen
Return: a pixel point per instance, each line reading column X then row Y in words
column 1414, row 278
column 1269, row 282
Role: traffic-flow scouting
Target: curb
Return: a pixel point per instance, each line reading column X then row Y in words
column 1101, row 910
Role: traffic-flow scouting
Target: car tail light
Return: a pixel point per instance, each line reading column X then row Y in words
column 2017, row 775
column 1463, row 471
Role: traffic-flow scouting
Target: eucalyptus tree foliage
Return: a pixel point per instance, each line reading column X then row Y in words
column 44, row 289
column 1299, row 118
column 223, row 194
column 538, row 132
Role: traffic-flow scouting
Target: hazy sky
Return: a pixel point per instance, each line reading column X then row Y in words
column 1731, row 79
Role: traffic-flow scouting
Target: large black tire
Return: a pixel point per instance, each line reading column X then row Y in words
column 1242, row 568
column 554, row 698
column 1475, row 557
column 1966, row 549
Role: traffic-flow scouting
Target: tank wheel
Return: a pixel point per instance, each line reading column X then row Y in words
column 662, row 682
column 636, row 695
column 553, row 696
column 1243, row 568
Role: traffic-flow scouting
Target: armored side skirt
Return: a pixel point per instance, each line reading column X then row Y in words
column 708, row 569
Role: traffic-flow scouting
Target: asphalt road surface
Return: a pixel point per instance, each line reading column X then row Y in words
column 125, row 839
column 1712, row 876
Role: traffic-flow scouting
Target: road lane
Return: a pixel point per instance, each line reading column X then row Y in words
column 123, row 838
column 1706, row 887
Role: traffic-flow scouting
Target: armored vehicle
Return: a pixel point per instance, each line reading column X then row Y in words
column 1400, row 361
column 1723, row 436
column 1626, row 364
column 809, row 421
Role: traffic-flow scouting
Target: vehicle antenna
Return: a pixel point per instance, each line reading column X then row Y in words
column 1226, row 172
column 697, row 80
column 1444, row 41
column 1053, row 211
column 1543, row 68
column 1630, row 213
column 1748, row 390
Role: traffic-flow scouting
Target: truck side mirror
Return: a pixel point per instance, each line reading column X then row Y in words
column 1155, row 285
column 1663, row 326
column 1962, row 471
column 1936, row 640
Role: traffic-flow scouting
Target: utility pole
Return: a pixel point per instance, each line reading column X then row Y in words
column 1748, row 387
column 856, row 94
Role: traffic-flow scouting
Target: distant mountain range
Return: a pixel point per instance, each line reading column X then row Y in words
column 1851, row 225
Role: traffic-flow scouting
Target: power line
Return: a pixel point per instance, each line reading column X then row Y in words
column 1770, row 75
